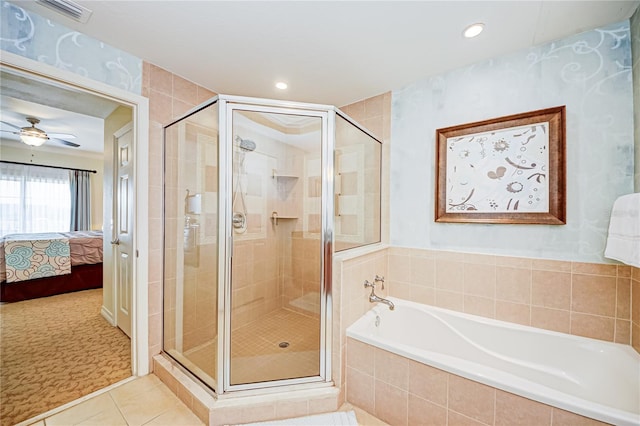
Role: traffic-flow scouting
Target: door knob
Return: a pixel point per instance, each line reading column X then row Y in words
column 116, row 241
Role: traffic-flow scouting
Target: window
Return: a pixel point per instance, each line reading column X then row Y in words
column 33, row 199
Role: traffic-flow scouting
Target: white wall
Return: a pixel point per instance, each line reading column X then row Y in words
column 590, row 73
column 73, row 159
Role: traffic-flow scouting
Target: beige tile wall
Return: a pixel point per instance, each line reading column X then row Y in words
column 375, row 115
column 401, row 391
column 304, row 277
column 635, row 308
column 585, row 299
column 170, row 96
column 350, row 298
column 255, row 279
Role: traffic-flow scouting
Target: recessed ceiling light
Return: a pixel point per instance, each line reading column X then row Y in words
column 281, row 85
column 473, row 30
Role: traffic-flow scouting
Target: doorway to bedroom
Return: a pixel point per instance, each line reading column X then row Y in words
column 65, row 339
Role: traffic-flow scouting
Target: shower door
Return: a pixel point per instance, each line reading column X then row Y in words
column 191, row 195
column 275, row 325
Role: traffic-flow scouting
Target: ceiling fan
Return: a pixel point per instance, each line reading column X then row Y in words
column 36, row 137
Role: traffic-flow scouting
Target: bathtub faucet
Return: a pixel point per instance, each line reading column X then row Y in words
column 373, row 297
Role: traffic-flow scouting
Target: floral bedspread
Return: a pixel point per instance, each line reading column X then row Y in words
column 30, row 256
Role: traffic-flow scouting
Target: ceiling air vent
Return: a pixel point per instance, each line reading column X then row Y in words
column 69, row 9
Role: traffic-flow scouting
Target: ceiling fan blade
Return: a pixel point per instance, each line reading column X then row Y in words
column 61, row 135
column 10, row 125
column 10, row 131
column 63, row 142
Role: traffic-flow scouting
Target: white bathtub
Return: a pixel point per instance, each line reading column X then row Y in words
column 586, row 376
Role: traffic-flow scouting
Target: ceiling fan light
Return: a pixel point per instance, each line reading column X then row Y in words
column 33, row 140
column 473, row 30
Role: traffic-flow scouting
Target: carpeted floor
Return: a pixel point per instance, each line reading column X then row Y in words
column 54, row 350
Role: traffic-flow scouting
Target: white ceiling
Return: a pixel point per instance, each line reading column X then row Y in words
column 59, row 110
column 88, row 131
column 333, row 52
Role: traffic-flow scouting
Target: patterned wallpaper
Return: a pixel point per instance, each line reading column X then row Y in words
column 27, row 34
column 590, row 73
column 635, row 54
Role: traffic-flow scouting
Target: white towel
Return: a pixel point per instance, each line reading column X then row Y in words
column 623, row 243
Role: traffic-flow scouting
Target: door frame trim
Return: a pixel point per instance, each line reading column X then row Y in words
column 140, row 113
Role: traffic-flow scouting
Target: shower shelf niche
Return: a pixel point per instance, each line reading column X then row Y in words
column 285, row 183
column 284, row 177
column 275, row 217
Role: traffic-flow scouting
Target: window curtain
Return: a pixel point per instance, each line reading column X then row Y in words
column 33, row 199
column 80, row 185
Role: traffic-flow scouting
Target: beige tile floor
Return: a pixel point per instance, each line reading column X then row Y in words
column 147, row 401
column 143, row 401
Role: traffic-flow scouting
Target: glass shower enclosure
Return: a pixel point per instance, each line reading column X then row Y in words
column 250, row 211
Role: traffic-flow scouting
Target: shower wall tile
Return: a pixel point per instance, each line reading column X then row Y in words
column 375, row 115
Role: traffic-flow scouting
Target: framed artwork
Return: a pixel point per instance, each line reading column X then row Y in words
column 504, row 170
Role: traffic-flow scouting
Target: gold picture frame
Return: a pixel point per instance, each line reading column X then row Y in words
column 504, row 170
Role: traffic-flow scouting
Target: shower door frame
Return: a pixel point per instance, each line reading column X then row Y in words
column 227, row 105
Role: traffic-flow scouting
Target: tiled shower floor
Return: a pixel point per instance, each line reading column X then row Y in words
column 256, row 355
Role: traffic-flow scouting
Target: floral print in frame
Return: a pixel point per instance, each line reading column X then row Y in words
column 504, row 170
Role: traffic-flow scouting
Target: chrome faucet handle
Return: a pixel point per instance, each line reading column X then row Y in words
column 379, row 278
column 368, row 283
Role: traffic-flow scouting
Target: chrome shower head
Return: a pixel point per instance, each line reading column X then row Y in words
column 246, row 144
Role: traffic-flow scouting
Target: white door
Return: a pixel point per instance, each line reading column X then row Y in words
column 122, row 239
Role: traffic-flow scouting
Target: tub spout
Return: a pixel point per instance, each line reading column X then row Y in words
column 374, row 298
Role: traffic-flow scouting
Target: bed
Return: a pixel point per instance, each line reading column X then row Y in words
column 40, row 265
